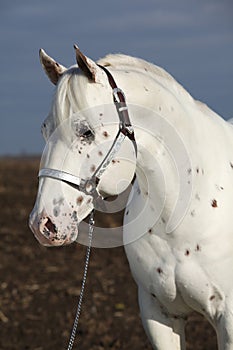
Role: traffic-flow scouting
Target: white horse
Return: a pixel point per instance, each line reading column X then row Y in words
column 178, row 231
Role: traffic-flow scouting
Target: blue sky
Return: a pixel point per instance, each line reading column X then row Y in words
column 192, row 39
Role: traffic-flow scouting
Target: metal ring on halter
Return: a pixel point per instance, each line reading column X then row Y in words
column 89, row 187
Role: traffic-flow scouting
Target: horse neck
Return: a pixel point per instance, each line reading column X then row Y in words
column 165, row 117
column 158, row 110
column 175, row 135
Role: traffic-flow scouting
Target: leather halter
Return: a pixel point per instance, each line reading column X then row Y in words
column 89, row 186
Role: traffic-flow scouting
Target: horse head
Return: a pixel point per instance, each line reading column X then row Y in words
column 90, row 150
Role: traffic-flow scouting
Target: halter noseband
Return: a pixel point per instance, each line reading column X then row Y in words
column 89, row 186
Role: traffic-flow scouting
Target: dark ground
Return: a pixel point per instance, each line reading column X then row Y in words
column 39, row 287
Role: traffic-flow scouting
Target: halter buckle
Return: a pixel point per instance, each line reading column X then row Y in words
column 116, row 91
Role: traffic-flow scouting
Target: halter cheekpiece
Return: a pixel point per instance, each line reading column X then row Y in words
column 89, row 186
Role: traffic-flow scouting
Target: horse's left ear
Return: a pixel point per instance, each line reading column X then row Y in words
column 92, row 71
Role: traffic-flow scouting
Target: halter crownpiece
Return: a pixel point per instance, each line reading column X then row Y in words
column 89, row 186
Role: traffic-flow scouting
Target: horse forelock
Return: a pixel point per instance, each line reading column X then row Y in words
column 67, row 95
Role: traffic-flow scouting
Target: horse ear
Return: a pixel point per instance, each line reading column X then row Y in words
column 87, row 66
column 53, row 69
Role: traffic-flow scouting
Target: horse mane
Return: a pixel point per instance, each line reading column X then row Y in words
column 65, row 95
column 121, row 61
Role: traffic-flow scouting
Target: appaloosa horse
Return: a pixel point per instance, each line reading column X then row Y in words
column 125, row 120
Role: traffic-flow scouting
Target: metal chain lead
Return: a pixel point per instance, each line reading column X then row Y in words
column 77, row 316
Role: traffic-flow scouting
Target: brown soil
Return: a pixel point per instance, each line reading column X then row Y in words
column 39, row 287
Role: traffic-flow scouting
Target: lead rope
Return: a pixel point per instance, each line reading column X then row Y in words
column 77, row 316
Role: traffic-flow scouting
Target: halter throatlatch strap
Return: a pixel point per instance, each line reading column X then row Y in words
column 89, row 186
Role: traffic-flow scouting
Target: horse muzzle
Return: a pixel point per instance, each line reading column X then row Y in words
column 46, row 232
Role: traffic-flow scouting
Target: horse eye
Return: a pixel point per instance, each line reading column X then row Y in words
column 87, row 134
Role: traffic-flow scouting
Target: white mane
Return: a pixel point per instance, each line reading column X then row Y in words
column 120, row 61
column 66, row 97
column 124, row 61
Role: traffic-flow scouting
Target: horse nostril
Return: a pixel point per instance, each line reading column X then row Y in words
column 50, row 226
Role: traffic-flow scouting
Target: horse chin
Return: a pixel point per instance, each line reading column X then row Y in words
column 54, row 241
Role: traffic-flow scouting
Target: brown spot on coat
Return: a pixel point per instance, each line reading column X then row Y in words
column 105, row 134
column 159, row 270
column 214, row 203
column 187, row 252
column 198, row 248
column 212, row 297
column 114, row 161
column 219, row 188
column 79, row 200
